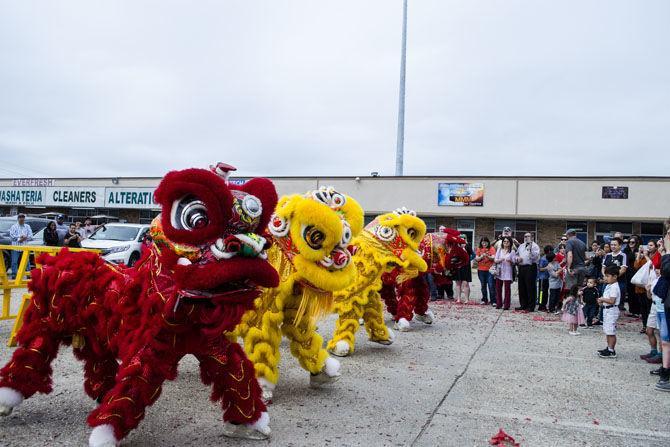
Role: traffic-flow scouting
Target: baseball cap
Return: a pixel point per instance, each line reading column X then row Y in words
column 507, row 229
column 60, row 216
column 571, row 231
column 20, row 215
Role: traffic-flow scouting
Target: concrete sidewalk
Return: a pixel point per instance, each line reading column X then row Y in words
column 454, row 383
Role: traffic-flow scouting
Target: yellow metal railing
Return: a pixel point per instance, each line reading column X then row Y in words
column 20, row 281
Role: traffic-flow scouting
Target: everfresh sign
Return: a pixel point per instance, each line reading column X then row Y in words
column 78, row 196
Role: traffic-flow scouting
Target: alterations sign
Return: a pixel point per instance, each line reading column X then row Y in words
column 130, row 198
column 460, row 194
column 78, row 196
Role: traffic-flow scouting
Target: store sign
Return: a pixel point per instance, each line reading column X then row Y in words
column 130, row 198
column 615, row 192
column 34, row 182
column 18, row 195
column 460, row 194
column 78, row 196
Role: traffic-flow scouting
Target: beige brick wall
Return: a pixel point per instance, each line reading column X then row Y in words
column 550, row 231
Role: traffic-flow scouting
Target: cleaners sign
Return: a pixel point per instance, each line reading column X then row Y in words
column 78, row 196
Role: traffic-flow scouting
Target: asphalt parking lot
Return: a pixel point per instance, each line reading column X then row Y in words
column 454, row 383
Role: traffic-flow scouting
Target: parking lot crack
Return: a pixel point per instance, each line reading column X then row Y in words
column 453, row 384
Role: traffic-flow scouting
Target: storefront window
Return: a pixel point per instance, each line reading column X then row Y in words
column 606, row 230
column 147, row 216
column 651, row 231
column 467, row 229
column 582, row 229
column 431, row 224
column 519, row 228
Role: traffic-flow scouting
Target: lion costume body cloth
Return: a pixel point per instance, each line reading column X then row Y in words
column 442, row 253
column 390, row 240
column 311, row 236
column 204, row 270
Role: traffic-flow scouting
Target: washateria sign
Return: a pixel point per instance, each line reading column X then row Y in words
column 460, row 194
column 78, row 196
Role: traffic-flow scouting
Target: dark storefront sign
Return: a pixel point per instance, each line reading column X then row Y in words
column 615, row 192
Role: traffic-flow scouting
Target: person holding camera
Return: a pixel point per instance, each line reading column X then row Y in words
column 72, row 239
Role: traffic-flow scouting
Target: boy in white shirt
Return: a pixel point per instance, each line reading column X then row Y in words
column 610, row 301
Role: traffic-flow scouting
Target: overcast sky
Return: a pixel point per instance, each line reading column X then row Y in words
column 304, row 87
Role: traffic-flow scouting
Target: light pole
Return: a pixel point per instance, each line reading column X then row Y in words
column 400, row 144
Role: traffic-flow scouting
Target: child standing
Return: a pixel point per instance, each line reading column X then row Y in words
column 610, row 300
column 555, row 281
column 543, row 280
column 572, row 310
column 590, row 297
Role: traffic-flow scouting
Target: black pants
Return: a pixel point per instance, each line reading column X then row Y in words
column 622, row 302
column 633, row 304
column 590, row 312
column 645, row 307
column 543, row 293
column 527, row 287
column 446, row 288
column 554, row 297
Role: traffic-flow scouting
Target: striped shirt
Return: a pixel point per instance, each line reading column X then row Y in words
column 16, row 231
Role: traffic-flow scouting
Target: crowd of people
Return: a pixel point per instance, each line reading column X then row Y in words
column 589, row 286
column 56, row 234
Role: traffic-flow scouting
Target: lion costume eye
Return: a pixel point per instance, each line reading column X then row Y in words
column 189, row 213
column 346, row 234
column 314, row 237
column 252, row 206
column 412, row 233
column 386, row 233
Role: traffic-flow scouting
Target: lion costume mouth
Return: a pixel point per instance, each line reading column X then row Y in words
column 231, row 279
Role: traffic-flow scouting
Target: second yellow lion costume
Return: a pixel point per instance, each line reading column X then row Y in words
column 311, row 235
column 391, row 240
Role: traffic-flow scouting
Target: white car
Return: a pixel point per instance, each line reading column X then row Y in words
column 119, row 243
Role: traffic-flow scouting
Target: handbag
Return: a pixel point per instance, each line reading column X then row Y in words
column 641, row 277
column 493, row 270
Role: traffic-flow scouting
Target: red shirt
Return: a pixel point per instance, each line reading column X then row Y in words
column 560, row 257
column 656, row 260
column 485, row 264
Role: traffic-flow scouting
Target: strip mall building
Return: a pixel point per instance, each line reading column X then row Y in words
column 478, row 206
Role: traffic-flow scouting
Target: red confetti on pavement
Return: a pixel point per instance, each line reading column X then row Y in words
column 596, row 422
column 502, row 439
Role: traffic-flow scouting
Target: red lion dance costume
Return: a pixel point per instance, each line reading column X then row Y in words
column 405, row 297
column 190, row 287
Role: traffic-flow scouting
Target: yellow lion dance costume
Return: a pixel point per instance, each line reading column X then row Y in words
column 390, row 241
column 311, row 237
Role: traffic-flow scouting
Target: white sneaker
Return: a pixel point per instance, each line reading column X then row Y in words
column 386, row 342
column 329, row 374
column 268, row 389
column 258, row 430
column 103, row 436
column 401, row 325
column 573, row 333
column 426, row 318
column 9, row 398
column 341, row 349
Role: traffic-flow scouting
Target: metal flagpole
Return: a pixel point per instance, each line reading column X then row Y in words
column 400, row 144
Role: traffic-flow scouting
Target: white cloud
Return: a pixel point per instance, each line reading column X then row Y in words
column 310, row 88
